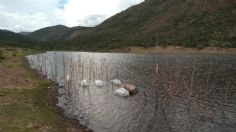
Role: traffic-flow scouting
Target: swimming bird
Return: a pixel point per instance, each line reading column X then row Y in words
column 99, row 83
column 68, row 77
column 116, row 82
column 121, row 92
column 84, row 83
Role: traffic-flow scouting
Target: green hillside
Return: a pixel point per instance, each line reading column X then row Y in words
column 55, row 34
column 14, row 39
column 189, row 23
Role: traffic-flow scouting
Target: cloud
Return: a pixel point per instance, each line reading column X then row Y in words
column 30, row 15
column 2, row 7
column 22, row 22
column 81, row 12
column 92, row 20
column 61, row 3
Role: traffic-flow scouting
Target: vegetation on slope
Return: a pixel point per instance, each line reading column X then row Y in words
column 198, row 23
column 186, row 23
column 24, row 33
column 13, row 39
column 55, row 34
column 49, row 34
column 1, row 56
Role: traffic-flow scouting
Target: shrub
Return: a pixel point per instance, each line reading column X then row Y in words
column 1, row 56
column 14, row 53
column 200, row 46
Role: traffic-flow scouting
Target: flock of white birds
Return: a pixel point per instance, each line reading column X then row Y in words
column 100, row 83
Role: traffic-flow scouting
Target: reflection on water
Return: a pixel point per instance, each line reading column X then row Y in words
column 177, row 92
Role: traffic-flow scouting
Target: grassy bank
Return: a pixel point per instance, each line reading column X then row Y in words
column 176, row 49
column 26, row 103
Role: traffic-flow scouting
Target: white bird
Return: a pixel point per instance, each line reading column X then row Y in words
column 84, row 83
column 99, row 83
column 122, row 92
column 61, row 85
column 68, row 77
column 116, row 82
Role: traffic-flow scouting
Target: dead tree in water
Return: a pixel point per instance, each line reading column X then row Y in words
column 226, row 95
column 206, row 88
column 190, row 90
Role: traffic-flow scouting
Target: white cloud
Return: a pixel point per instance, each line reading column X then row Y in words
column 23, row 22
column 83, row 12
column 2, row 7
column 29, row 15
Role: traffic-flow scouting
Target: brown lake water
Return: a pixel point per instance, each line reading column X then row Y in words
column 177, row 92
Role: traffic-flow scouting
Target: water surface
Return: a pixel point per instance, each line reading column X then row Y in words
column 177, row 92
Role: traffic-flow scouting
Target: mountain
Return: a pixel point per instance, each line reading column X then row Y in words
column 24, row 33
column 58, row 33
column 190, row 23
column 14, row 39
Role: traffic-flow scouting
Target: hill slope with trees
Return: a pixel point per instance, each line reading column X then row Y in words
column 189, row 23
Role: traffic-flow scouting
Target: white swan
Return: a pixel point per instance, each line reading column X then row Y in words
column 68, row 77
column 122, row 92
column 116, row 82
column 61, row 85
column 99, row 83
column 84, row 83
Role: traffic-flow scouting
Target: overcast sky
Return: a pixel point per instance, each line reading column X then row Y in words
column 30, row 15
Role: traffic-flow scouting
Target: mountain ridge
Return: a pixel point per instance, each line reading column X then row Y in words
column 14, row 39
column 175, row 22
column 53, row 34
column 187, row 23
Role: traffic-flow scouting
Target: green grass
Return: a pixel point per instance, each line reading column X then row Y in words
column 28, row 108
column 32, row 106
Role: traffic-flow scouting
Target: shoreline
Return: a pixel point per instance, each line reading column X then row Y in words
column 28, row 82
column 26, row 94
column 174, row 49
column 53, row 94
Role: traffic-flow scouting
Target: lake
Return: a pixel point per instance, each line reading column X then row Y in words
column 177, row 92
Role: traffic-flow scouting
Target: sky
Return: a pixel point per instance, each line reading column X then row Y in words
column 30, row 15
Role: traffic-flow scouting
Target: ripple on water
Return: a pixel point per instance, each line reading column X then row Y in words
column 190, row 92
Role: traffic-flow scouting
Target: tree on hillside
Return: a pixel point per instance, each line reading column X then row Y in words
column 1, row 56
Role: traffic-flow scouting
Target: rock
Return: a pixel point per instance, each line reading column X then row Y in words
column 131, row 89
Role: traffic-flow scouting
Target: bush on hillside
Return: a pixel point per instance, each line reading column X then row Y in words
column 1, row 56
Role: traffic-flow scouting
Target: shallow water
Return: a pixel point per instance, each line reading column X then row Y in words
column 177, row 92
